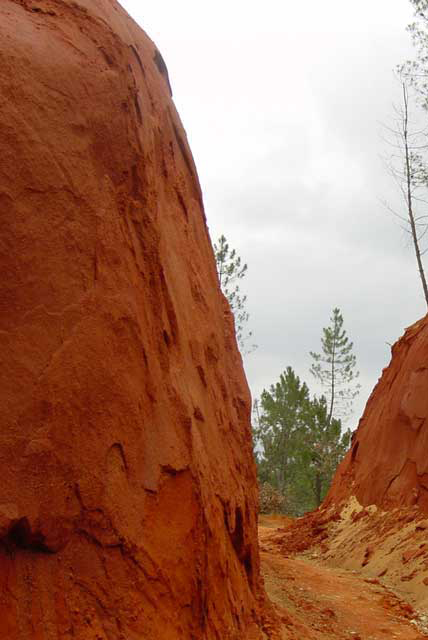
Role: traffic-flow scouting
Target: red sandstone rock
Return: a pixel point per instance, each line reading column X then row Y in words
column 388, row 462
column 128, row 490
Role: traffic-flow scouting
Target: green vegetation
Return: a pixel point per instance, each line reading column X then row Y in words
column 230, row 271
column 334, row 368
column 299, row 440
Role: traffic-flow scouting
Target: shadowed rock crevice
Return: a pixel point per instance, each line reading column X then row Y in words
column 21, row 536
column 162, row 68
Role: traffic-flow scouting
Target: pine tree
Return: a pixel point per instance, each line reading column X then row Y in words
column 334, row 368
column 415, row 72
column 299, row 448
column 410, row 170
column 284, row 412
column 230, row 271
column 324, row 447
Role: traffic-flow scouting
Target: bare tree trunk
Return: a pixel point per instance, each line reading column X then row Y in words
column 318, row 488
column 330, row 413
column 409, row 196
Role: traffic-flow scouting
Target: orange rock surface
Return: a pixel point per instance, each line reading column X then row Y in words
column 388, row 462
column 128, row 488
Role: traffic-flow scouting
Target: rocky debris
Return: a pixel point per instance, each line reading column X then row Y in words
column 421, row 623
column 128, row 501
column 304, row 533
column 386, row 548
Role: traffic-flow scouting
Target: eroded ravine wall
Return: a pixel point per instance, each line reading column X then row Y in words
column 128, row 487
column 388, row 463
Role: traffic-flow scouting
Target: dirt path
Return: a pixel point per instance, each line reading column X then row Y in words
column 318, row 603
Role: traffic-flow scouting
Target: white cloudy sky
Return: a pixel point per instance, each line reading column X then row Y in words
column 283, row 104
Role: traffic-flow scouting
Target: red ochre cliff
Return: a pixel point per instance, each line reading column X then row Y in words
column 387, row 465
column 128, row 488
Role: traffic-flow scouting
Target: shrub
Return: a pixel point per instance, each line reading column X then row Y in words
column 270, row 499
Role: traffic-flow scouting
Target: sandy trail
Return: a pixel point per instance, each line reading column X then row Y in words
column 317, row 602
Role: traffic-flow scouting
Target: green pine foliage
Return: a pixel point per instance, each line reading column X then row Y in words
column 299, row 447
column 334, row 368
column 283, row 414
column 325, row 448
column 415, row 72
column 409, row 164
column 230, row 271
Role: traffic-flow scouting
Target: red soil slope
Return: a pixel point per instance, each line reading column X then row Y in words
column 128, row 489
column 388, row 462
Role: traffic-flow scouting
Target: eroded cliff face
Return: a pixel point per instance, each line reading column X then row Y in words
column 128, row 488
column 387, row 465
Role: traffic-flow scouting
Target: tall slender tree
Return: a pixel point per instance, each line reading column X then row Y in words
column 413, row 178
column 231, row 270
column 408, row 167
column 334, row 368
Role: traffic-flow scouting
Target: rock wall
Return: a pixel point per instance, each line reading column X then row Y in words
column 388, row 462
column 128, row 489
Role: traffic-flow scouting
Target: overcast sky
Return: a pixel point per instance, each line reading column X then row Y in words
column 283, row 104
